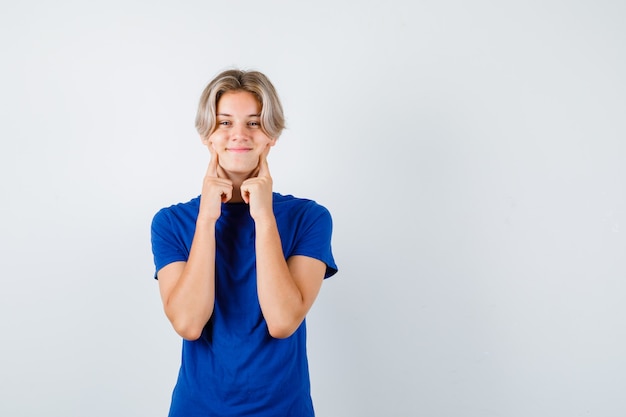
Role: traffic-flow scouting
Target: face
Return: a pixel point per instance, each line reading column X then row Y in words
column 238, row 139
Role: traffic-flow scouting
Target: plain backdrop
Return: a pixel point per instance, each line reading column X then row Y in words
column 472, row 154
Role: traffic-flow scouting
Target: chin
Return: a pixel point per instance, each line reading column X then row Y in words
column 238, row 170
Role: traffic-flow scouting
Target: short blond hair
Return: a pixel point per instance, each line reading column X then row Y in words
column 255, row 82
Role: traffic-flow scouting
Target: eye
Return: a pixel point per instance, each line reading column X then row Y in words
column 223, row 123
column 254, row 123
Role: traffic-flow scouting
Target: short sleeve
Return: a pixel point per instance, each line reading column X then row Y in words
column 167, row 246
column 314, row 237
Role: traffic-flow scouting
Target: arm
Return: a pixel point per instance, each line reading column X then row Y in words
column 286, row 288
column 188, row 288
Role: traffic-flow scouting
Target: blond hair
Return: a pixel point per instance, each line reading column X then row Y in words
column 272, row 118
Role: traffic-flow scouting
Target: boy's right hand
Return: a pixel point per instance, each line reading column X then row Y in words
column 215, row 191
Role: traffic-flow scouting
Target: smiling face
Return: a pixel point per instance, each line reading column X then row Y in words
column 238, row 138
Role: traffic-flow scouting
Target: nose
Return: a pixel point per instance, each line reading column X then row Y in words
column 239, row 132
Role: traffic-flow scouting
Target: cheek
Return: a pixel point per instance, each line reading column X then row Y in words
column 266, row 140
column 216, row 139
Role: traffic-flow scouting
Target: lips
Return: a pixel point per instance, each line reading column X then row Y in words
column 238, row 150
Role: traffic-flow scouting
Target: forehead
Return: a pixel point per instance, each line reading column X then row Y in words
column 238, row 102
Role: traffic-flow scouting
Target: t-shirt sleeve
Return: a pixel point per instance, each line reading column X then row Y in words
column 167, row 245
column 314, row 238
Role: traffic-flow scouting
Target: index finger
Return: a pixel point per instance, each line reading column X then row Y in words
column 264, row 169
column 213, row 163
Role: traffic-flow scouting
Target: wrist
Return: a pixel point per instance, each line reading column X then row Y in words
column 264, row 220
column 204, row 223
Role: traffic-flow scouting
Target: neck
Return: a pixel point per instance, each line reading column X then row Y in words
column 236, row 197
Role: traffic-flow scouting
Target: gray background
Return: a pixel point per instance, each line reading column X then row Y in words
column 472, row 155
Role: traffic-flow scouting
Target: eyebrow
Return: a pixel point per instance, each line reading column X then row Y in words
column 230, row 115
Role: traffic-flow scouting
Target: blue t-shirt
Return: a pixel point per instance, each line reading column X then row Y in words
column 236, row 368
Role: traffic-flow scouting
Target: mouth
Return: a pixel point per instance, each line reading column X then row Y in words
column 238, row 150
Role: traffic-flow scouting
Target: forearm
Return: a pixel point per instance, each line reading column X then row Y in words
column 190, row 303
column 280, row 298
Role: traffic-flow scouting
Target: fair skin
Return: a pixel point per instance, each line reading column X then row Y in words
column 238, row 172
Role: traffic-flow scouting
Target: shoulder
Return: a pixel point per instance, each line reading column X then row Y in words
column 300, row 212
column 178, row 213
column 295, row 204
column 180, row 209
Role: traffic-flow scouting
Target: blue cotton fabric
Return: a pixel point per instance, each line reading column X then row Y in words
column 236, row 368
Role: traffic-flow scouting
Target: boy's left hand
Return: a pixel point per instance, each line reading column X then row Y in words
column 257, row 191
